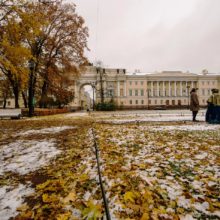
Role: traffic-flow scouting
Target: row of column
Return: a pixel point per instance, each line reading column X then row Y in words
column 187, row 85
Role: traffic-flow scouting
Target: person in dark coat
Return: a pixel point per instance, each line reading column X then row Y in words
column 213, row 110
column 194, row 104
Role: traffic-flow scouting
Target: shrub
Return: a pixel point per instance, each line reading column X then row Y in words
column 106, row 106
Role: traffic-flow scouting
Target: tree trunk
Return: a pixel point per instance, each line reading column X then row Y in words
column 5, row 102
column 25, row 100
column 43, row 99
column 16, row 94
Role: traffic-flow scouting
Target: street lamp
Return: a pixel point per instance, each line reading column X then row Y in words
column 31, row 89
column 148, row 91
column 93, row 84
column 188, row 87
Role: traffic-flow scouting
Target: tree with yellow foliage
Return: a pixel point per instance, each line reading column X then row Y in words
column 41, row 43
column 14, row 53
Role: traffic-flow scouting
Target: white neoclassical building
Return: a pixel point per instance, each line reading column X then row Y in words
column 166, row 89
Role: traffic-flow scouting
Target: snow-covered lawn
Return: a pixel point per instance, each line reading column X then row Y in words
column 23, row 157
column 11, row 198
column 168, row 171
column 164, row 170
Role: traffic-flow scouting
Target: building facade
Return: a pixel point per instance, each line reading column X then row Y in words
column 167, row 89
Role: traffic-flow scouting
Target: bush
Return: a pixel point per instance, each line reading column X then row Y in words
column 106, row 106
column 45, row 111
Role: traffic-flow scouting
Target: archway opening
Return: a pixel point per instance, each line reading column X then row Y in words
column 87, row 97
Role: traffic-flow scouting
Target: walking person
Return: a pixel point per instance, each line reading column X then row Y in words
column 194, row 103
column 213, row 110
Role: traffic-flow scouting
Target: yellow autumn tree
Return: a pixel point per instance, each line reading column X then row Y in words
column 13, row 52
column 50, row 36
column 63, row 51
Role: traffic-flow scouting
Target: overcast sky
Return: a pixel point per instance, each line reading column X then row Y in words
column 153, row 35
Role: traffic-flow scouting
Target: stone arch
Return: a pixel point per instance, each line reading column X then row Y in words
column 79, row 91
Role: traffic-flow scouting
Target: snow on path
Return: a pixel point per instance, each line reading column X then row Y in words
column 26, row 156
column 11, row 198
column 151, row 119
column 77, row 114
column 46, row 130
column 191, row 127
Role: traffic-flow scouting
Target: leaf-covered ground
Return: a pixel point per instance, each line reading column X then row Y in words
column 151, row 170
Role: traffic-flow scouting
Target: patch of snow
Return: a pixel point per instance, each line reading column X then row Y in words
column 25, row 156
column 174, row 192
column 87, row 196
column 187, row 217
column 183, row 202
column 45, row 130
column 11, row 198
column 201, row 156
column 202, row 207
column 197, row 184
column 191, row 127
column 77, row 114
column 162, row 118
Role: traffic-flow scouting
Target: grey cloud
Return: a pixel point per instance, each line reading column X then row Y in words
column 128, row 37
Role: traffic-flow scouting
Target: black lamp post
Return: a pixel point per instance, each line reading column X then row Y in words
column 31, row 89
column 188, row 87
column 148, row 97
column 93, row 84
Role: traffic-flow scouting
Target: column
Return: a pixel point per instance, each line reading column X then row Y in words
column 175, row 88
column 75, row 88
column 158, row 89
column 181, row 88
column 125, row 88
column 163, row 88
column 152, row 88
column 118, row 88
column 192, row 83
column 169, row 89
column 186, row 88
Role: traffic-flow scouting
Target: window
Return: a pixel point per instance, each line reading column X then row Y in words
column 9, row 103
column 136, row 92
column 173, row 102
column 203, row 91
column 142, row 102
column 167, row 102
column 213, row 83
column 136, row 82
column 111, row 92
column 142, row 92
column 121, row 83
column 142, row 83
column 122, row 103
column 207, row 82
column 209, row 91
column 130, row 82
column 161, row 102
column 203, row 100
column 130, row 102
column 155, row 101
column 1, row 103
column 136, row 102
column 130, row 92
column 121, row 92
column 149, row 102
column 179, row 102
